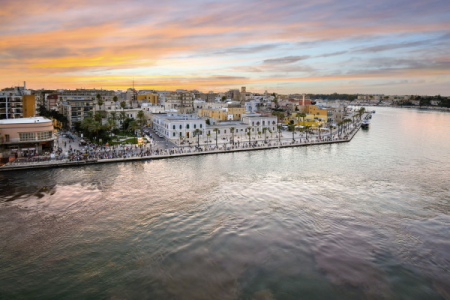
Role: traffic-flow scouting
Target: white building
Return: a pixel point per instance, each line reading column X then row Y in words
column 176, row 127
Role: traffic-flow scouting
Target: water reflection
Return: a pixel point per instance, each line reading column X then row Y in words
column 368, row 219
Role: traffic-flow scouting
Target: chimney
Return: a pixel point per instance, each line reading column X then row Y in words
column 24, row 85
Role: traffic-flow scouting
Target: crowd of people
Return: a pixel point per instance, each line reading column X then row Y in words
column 92, row 152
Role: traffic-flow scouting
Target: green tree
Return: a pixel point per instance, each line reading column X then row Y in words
column 207, row 122
column 98, row 117
column 331, row 130
column 292, row 129
column 95, row 126
column 307, row 129
column 86, row 123
column 279, row 127
column 232, row 133
column 115, row 99
column 141, row 117
column 264, row 130
column 110, row 125
column 224, row 98
column 99, row 101
column 122, row 117
column 114, row 116
column 216, row 130
column 275, row 100
column 123, row 104
column 133, row 126
column 197, row 134
column 303, row 116
column 320, row 127
column 249, row 135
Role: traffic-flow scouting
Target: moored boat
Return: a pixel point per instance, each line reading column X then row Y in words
column 365, row 124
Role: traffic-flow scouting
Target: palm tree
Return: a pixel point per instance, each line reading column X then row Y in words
column 115, row 99
column 132, row 127
column 113, row 115
column 216, row 130
column 361, row 112
column 110, row 124
column 86, row 123
column 292, row 128
column 275, row 100
column 298, row 115
column 123, row 104
column 331, row 130
column 141, row 117
column 279, row 127
column 320, row 126
column 95, row 126
column 339, row 127
column 98, row 117
column 303, row 116
column 122, row 117
column 307, row 129
column 99, row 101
column 249, row 140
column 232, row 134
column 197, row 133
column 264, row 130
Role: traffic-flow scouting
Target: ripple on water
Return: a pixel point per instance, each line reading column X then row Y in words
column 363, row 220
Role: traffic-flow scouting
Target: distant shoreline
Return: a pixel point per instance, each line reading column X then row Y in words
column 416, row 107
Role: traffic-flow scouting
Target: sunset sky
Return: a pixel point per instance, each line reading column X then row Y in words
column 287, row 46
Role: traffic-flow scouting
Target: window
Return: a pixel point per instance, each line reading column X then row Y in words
column 174, row 134
column 27, row 136
column 7, row 137
column 173, row 126
column 44, row 135
column 225, row 132
column 195, row 126
column 253, row 123
column 187, row 126
column 181, row 126
column 264, row 123
column 201, row 125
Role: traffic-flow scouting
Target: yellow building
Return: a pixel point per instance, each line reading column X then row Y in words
column 308, row 120
column 148, row 98
column 225, row 114
column 29, row 106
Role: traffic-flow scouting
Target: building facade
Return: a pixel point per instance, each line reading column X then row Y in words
column 176, row 127
column 34, row 134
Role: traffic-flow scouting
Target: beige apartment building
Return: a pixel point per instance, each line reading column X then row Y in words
column 26, row 134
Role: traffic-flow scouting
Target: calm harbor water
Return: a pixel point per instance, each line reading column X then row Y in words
column 369, row 219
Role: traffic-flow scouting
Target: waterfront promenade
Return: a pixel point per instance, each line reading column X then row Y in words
column 131, row 155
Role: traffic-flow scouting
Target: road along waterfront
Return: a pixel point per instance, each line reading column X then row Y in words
column 368, row 219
